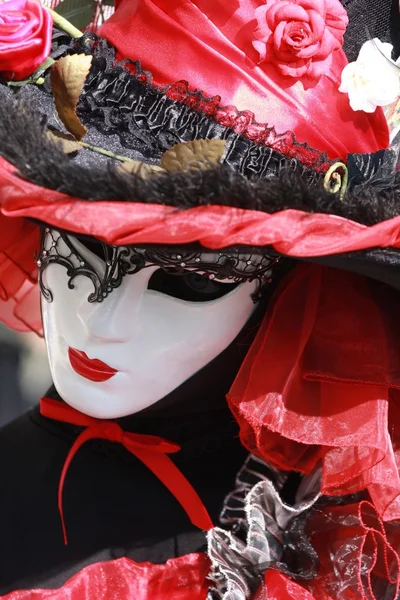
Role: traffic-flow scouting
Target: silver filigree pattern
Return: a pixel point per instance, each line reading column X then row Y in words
column 66, row 250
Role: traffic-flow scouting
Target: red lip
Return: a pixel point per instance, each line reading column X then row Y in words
column 91, row 368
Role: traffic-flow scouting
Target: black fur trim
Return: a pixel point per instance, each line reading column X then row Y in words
column 40, row 161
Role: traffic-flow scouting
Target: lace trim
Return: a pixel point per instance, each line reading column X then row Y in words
column 115, row 102
column 244, row 123
column 254, row 470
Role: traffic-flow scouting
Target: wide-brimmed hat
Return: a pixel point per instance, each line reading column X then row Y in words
column 196, row 170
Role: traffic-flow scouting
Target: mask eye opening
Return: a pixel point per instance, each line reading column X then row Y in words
column 190, row 286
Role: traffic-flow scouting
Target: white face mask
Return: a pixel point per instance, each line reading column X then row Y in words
column 113, row 358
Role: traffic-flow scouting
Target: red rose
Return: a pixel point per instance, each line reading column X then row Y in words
column 299, row 36
column 25, row 37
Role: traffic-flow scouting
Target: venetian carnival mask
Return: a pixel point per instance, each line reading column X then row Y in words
column 126, row 326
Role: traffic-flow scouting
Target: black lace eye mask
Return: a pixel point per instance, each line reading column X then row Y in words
column 191, row 276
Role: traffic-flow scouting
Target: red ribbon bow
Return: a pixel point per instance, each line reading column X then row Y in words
column 150, row 449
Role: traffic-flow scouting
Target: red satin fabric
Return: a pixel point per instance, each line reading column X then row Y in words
column 290, row 232
column 183, row 578
column 149, row 449
column 318, row 382
column 209, row 44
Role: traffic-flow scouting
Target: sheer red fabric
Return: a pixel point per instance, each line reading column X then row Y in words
column 358, row 557
column 19, row 294
column 183, row 578
column 316, row 384
column 197, row 39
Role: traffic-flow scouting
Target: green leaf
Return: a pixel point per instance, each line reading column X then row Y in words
column 78, row 12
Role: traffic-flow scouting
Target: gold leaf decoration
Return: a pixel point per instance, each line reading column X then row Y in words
column 67, row 142
column 142, row 169
column 197, row 155
column 68, row 76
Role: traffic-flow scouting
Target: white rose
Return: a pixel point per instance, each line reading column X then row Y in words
column 373, row 79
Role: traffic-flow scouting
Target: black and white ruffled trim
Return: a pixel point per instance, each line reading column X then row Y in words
column 265, row 531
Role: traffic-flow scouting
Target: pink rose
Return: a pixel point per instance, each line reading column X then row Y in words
column 299, row 36
column 25, row 37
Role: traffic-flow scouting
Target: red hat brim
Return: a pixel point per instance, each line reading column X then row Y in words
column 290, row 232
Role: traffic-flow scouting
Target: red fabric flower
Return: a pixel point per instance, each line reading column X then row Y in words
column 25, row 37
column 299, row 36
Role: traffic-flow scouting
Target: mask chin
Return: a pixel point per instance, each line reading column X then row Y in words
column 120, row 356
column 206, row 390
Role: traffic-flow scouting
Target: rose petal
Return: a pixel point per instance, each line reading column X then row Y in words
column 271, row 12
column 24, row 31
column 336, row 15
column 278, row 34
column 291, row 12
column 28, row 41
column 262, row 31
column 347, row 76
column 21, row 57
column 317, row 24
column 308, row 52
column 384, row 90
column 318, row 68
column 317, row 5
column 362, row 104
column 13, row 6
column 299, row 33
column 282, row 55
column 337, row 26
column 327, row 45
column 297, row 36
column 295, row 69
column 384, row 48
column 372, row 50
column 261, row 48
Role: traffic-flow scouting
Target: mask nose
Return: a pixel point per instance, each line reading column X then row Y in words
column 117, row 317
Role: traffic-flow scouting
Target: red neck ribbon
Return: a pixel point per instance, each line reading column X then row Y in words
column 150, row 449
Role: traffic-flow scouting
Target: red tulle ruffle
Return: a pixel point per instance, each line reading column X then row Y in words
column 183, row 578
column 318, row 381
column 358, row 554
column 19, row 293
